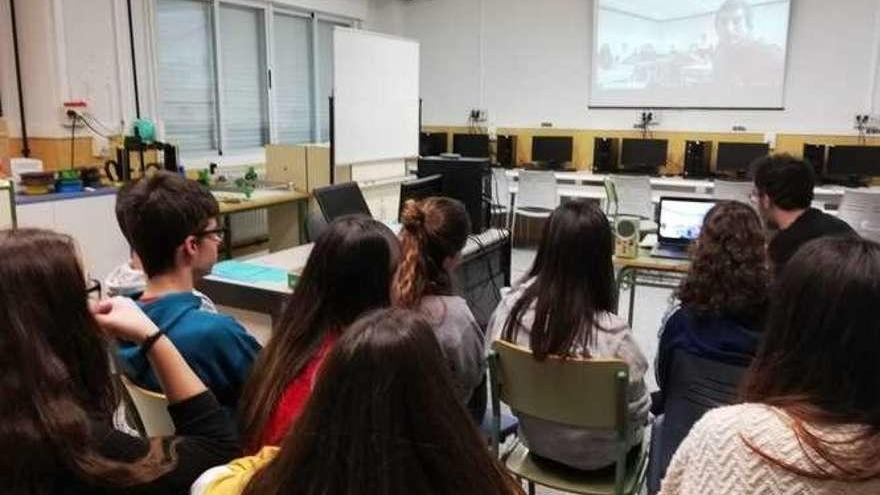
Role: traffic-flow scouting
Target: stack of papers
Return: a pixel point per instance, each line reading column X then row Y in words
column 241, row 271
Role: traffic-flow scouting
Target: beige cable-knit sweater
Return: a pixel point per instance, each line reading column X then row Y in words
column 713, row 459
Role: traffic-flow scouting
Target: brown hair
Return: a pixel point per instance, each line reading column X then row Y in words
column 55, row 372
column 383, row 420
column 158, row 214
column 729, row 273
column 573, row 282
column 434, row 230
column 348, row 272
column 817, row 361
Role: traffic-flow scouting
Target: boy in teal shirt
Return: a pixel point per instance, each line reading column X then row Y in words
column 171, row 223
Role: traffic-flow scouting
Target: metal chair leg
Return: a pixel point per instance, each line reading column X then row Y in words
column 531, row 488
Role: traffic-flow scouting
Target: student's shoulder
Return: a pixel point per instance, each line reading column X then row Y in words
column 731, row 423
column 215, row 324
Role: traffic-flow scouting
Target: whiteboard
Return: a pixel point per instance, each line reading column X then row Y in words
column 376, row 96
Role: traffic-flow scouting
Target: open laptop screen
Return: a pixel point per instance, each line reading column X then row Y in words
column 682, row 218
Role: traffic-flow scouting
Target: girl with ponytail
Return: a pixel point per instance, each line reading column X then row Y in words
column 434, row 232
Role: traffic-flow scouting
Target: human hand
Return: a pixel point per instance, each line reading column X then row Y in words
column 121, row 317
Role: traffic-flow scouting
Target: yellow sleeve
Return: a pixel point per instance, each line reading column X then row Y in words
column 235, row 478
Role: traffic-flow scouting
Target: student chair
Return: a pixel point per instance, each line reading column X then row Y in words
column 501, row 195
column 728, row 190
column 695, row 386
column 861, row 210
column 587, row 393
column 630, row 195
column 537, row 195
column 152, row 409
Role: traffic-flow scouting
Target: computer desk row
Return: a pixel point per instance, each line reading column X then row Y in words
column 598, row 193
column 583, row 177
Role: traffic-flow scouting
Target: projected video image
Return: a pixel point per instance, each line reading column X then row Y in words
column 682, row 219
column 714, row 53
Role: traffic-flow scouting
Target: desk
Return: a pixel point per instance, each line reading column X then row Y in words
column 286, row 212
column 598, row 193
column 484, row 269
column 655, row 272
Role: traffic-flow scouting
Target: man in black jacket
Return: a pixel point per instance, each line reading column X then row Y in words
column 783, row 194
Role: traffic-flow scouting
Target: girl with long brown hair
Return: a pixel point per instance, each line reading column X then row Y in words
column 564, row 307
column 435, row 231
column 811, row 421
column 383, row 420
column 348, row 273
column 57, row 396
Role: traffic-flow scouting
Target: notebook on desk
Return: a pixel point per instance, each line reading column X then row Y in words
column 680, row 221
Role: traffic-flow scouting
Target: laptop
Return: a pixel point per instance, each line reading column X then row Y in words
column 679, row 224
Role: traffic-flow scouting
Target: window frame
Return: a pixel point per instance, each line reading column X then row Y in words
column 269, row 9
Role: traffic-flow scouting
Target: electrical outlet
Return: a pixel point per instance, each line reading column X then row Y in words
column 546, row 124
column 478, row 115
column 75, row 106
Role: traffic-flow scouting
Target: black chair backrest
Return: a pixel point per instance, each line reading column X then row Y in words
column 695, row 386
column 339, row 200
column 419, row 189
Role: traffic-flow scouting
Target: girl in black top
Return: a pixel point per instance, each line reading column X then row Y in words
column 56, row 433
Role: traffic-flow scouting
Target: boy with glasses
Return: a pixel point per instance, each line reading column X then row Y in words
column 172, row 225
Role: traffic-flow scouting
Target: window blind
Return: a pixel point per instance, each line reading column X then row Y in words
column 244, row 79
column 187, row 98
column 292, row 78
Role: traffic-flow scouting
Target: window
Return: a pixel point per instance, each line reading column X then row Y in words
column 187, row 97
column 235, row 75
column 293, row 77
column 245, row 88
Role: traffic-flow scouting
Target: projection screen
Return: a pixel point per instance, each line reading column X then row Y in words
column 689, row 53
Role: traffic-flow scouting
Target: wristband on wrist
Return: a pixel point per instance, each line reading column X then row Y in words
column 151, row 340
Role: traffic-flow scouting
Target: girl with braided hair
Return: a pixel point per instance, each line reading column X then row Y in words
column 434, row 232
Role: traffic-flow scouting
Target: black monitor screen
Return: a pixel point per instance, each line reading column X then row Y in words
column 734, row 157
column 471, row 145
column 419, row 189
column 462, row 180
column 552, row 149
column 341, row 199
column 854, row 160
column 432, row 143
column 643, row 152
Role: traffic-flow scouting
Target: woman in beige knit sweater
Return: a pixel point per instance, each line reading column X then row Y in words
column 811, row 423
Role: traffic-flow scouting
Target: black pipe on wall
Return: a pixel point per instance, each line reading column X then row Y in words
column 134, row 71
column 25, row 149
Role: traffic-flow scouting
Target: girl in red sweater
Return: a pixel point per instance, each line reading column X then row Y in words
column 348, row 273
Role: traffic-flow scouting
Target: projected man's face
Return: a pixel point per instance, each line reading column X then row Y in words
column 732, row 26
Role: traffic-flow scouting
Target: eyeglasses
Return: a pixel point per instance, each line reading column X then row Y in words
column 217, row 234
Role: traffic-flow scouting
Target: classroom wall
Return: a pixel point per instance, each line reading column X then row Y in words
column 528, row 62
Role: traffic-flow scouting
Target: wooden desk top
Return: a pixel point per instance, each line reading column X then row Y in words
column 647, row 262
column 259, row 199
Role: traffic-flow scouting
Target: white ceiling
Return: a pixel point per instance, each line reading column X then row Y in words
column 662, row 10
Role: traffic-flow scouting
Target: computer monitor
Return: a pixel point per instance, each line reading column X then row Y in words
column 433, row 143
column 681, row 219
column 862, row 161
column 643, row 155
column 552, row 150
column 462, row 180
column 339, row 200
column 471, row 145
column 738, row 157
column 418, row 189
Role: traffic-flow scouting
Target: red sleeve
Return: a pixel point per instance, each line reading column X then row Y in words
column 294, row 398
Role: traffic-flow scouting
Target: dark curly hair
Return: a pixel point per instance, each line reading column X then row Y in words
column 729, row 272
